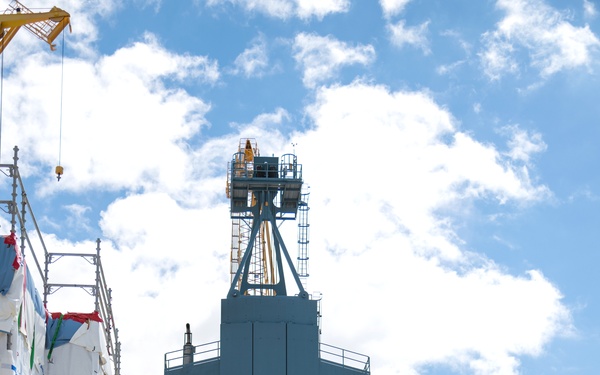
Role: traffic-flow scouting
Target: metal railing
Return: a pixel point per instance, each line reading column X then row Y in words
column 201, row 353
column 345, row 358
column 286, row 167
column 212, row 351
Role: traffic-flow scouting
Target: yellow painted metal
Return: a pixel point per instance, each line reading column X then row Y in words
column 248, row 151
column 45, row 25
column 262, row 263
column 268, row 255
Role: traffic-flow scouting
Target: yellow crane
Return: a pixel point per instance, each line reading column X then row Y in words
column 45, row 25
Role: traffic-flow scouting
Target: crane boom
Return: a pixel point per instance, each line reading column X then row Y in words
column 45, row 25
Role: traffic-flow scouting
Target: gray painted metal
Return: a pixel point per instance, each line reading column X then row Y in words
column 211, row 367
column 332, row 368
column 302, row 344
column 236, row 348
column 274, row 192
column 269, row 348
column 278, row 328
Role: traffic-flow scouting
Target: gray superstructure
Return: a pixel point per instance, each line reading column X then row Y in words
column 264, row 330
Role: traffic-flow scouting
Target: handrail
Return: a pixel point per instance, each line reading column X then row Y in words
column 345, row 358
column 212, row 351
column 286, row 167
column 203, row 352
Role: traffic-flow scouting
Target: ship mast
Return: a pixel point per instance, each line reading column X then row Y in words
column 262, row 191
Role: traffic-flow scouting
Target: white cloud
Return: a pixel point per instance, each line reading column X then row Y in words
column 416, row 36
column 382, row 166
column 157, row 265
column 155, row 4
column 393, row 7
column 410, row 147
column 589, row 9
column 77, row 217
column 276, row 8
column 122, row 101
column 322, row 57
column 387, row 170
column 448, row 68
column 584, row 193
column 321, row 8
column 553, row 43
column 265, row 120
column 497, row 59
column 523, row 144
column 376, row 194
column 303, row 9
column 456, row 36
column 254, row 60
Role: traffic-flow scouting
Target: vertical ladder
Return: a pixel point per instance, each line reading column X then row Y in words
column 303, row 236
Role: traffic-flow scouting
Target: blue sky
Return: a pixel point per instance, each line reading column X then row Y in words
column 450, row 149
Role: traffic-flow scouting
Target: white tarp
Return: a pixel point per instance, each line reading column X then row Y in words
column 84, row 354
column 11, row 301
column 22, row 323
column 7, row 366
column 72, row 359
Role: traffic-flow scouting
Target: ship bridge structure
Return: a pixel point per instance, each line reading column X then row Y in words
column 265, row 328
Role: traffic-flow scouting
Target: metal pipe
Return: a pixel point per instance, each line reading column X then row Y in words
column 188, row 348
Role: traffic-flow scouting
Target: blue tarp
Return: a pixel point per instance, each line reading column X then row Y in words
column 7, row 270
column 69, row 324
column 38, row 304
column 65, row 332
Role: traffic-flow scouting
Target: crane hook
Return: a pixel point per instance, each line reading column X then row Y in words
column 59, row 171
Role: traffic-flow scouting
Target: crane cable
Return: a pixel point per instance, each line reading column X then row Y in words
column 59, row 169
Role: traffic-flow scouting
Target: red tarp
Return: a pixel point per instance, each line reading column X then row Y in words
column 79, row 317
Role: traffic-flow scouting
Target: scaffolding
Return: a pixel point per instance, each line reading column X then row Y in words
column 19, row 212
